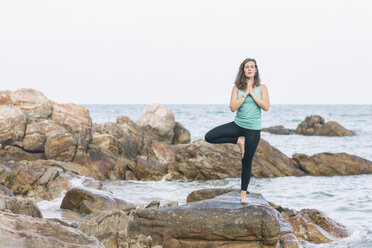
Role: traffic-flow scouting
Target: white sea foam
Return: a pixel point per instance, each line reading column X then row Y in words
column 50, row 209
column 77, row 181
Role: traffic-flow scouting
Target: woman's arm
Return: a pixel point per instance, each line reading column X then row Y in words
column 264, row 103
column 234, row 102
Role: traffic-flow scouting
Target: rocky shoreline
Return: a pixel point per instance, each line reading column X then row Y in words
column 44, row 145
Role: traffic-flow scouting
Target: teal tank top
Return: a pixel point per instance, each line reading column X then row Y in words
column 249, row 113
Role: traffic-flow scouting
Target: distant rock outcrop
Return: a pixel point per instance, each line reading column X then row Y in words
column 312, row 125
column 315, row 125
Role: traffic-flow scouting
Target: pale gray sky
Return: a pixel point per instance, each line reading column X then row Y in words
column 308, row 52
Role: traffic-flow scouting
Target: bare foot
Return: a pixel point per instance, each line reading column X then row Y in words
column 240, row 142
column 243, row 195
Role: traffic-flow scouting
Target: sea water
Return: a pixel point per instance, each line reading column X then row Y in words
column 345, row 199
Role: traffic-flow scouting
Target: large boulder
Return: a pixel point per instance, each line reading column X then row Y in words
column 324, row 164
column 204, row 161
column 158, row 123
column 86, row 201
column 41, row 179
column 315, row 125
column 219, row 222
column 27, row 232
column 268, row 161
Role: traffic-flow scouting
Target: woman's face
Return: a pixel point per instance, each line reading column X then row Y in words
column 249, row 69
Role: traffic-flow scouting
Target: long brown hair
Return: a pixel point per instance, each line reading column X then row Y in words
column 241, row 80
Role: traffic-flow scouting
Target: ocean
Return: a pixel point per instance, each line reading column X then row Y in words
column 346, row 199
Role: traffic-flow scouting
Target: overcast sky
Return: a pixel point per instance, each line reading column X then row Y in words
column 308, row 52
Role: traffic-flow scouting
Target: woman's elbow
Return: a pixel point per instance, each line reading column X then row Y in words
column 232, row 109
column 266, row 108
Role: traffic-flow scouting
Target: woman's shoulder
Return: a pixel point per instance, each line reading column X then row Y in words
column 263, row 87
column 235, row 88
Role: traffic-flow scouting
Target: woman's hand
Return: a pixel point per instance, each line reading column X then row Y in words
column 249, row 90
column 264, row 102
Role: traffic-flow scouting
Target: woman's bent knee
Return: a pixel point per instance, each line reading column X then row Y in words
column 208, row 137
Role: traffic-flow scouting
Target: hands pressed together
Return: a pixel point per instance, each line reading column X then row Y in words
column 249, row 90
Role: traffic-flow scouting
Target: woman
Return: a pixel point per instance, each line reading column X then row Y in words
column 248, row 97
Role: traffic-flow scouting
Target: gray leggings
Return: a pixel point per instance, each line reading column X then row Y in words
column 229, row 133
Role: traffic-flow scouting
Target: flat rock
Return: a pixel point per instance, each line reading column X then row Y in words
column 219, row 222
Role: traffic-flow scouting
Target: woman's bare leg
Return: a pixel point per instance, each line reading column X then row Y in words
column 240, row 142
